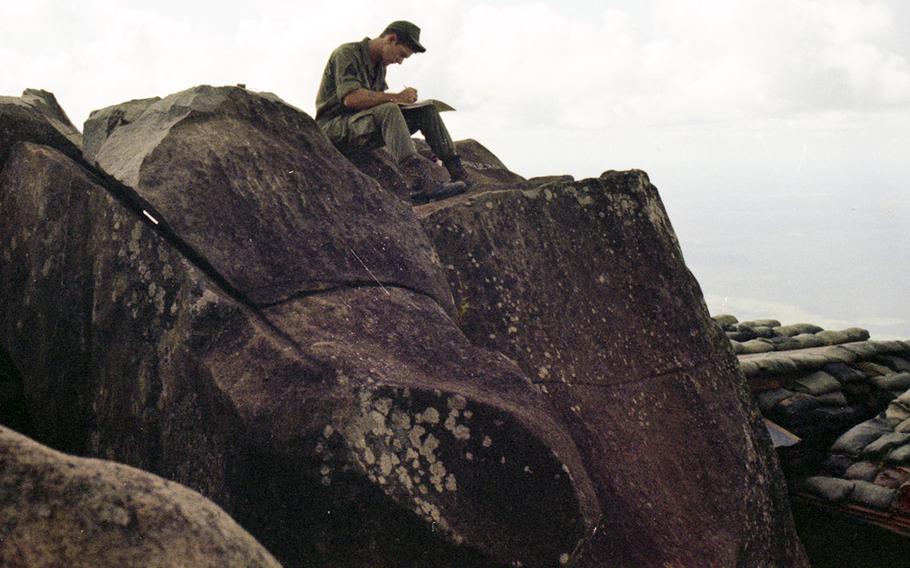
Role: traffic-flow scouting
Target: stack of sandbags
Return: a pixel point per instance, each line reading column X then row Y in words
column 820, row 406
column 813, row 406
column 869, row 464
column 766, row 335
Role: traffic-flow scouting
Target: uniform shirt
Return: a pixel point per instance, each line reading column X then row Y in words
column 349, row 68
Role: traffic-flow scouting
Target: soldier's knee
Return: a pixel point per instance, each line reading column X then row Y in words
column 388, row 110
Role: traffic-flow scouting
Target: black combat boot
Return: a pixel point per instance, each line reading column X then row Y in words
column 424, row 188
column 456, row 170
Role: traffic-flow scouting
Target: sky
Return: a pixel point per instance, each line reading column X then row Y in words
column 776, row 130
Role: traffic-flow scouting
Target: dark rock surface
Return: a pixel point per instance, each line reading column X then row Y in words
column 102, row 122
column 233, row 305
column 351, row 427
column 242, row 176
column 60, row 510
column 35, row 118
column 584, row 285
column 379, row 165
column 481, row 164
column 46, row 103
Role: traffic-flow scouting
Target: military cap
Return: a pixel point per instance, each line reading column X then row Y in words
column 407, row 33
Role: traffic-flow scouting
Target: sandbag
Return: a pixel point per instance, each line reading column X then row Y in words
column 885, row 443
column 856, row 334
column 784, row 343
column 793, row 410
column 872, row 495
column 757, row 346
column 761, row 323
column 903, row 426
column 899, row 456
column 725, row 321
column 862, row 470
column 844, row 373
column 798, row 329
column 835, row 398
column 854, row 441
column 895, row 381
column 831, row 337
column 829, row 488
column 768, row 399
column 874, row 369
column 896, row 412
column 807, row 340
column 741, row 335
column 816, row 383
column 904, row 399
column 762, row 331
column 837, row 465
column 895, row 363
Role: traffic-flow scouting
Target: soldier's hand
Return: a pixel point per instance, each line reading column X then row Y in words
column 408, row 96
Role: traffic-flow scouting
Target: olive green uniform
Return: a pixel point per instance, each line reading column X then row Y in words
column 350, row 68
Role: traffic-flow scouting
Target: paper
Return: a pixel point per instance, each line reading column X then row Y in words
column 440, row 106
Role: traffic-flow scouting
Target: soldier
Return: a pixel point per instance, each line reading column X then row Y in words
column 356, row 113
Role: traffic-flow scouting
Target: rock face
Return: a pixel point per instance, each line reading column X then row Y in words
column 232, row 305
column 60, row 510
column 101, row 123
column 239, row 175
column 46, row 103
column 36, row 117
column 484, row 166
column 584, row 285
column 354, row 426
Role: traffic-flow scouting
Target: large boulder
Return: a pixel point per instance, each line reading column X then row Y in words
column 60, row 510
column 353, row 426
column 102, row 122
column 36, row 117
column 252, row 185
column 584, row 286
column 46, row 103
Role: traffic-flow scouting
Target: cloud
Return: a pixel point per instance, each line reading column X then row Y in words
column 678, row 62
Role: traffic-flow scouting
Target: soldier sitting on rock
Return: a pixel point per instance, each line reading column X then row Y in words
column 356, row 113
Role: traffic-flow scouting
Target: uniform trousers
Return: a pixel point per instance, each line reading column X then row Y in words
column 390, row 126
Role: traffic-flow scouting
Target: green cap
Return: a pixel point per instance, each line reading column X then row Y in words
column 407, row 33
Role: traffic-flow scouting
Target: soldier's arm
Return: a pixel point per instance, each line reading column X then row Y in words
column 362, row 99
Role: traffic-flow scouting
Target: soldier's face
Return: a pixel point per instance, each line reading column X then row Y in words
column 393, row 52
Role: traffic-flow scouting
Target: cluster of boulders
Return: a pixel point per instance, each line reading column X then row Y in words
column 524, row 375
column 765, row 335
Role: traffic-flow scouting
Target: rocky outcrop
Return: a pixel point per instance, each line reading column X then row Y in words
column 483, row 167
column 102, row 122
column 352, row 426
column 46, row 103
column 223, row 299
column 583, row 284
column 239, row 175
column 60, row 510
column 36, row 117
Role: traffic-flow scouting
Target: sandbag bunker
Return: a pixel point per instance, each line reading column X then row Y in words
column 837, row 406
